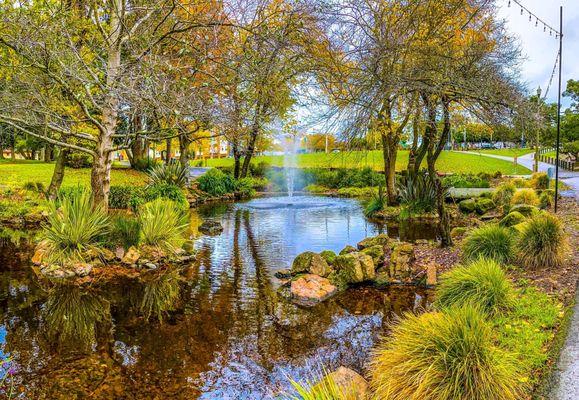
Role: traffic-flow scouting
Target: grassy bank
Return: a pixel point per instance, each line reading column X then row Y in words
column 448, row 162
column 17, row 173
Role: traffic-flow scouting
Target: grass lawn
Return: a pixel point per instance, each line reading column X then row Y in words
column 448, row 162
column 505, row 152
column 19, row 172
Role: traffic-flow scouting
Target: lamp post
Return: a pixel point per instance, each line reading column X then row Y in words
column 559, row 108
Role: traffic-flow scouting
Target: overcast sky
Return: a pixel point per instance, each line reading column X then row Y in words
column 539, row 48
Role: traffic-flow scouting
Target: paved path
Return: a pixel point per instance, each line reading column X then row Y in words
column 566, row 376
column 570, row 178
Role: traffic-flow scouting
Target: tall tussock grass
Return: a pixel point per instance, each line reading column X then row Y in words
column 445, row 355
column 482, row 282
column 490, row 241
column 163, row 224
column 542, row 242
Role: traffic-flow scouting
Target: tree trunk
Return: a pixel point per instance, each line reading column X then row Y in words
column 184, row 144
column 57, row 175
column 168, row 150
column 101, row 171
column 236, row 160
column 389, row 150
column 250, row 149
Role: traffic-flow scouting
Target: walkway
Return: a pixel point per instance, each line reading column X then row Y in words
column 566, row 376
column 570, row 178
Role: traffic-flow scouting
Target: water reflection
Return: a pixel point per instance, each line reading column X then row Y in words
column 217, row 330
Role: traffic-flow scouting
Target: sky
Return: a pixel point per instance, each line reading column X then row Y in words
column 539, row 48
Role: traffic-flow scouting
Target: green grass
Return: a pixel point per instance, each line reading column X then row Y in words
column 17, row 173
column 448, row 162
column 505, row 152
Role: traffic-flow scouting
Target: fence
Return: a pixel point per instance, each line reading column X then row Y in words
column 568, row 165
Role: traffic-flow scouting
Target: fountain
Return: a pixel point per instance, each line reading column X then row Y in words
column 289, row 144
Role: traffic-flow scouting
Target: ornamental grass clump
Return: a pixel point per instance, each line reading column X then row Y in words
column 542, row 242
column 525, row 196
column 482, row 282
column 446, row 355
column 168, row 174
column 163, row 224
column 503, row 195
column 490, row 241
column 75, row 225
column 324, row 388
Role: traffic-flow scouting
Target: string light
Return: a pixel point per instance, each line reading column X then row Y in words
column 537, row 19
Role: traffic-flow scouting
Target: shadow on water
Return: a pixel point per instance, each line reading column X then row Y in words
column 216, row 331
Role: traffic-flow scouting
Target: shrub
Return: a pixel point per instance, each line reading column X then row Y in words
column 125, row 231
column 446, row 355
column 258, row 170
column 166, row 191
column 489, row 241
column 540, row 180
column 168, row 174
column 216, row 183
column 244, row 188
column 542, row 242
column 482, row 283
column 418, row 193
column 316, row 189
column 37, row 187
column 121, row 196
column 73, row 227
column 503, row 195
column 546, row 198
column 144, row 164
column 163, row 224
column 520, row 183
column 78, row 160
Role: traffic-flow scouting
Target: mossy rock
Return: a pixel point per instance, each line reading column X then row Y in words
column 525, row 209
column 458, row 231
column 377, row 254
column 513, row 218
column 329, row 256
column 355, row 267
column 348, row 249
column 380, row 240
column 483, row 205
column 486, row 195
column 310, row 262
column 467, row 206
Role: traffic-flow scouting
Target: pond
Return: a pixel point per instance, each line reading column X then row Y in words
column 226, row 334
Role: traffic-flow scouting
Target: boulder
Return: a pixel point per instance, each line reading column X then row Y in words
column 513, row 218
column 348, row 249
column 39, row 253
column 484, row 205
column 57, row 272
column 152, row 253
column 467, row 206
column 351, row 385
column 380, row 240
column 329, row 256
column 377, row 254
column 525, row 209
column 311, row 262
column 211, row 228
column 401, row 261
column 355, row 267
column 131, row 256
column 119, row 253
column 82, row 269
column 310, row 289
column 283, row 273
column 107, row 254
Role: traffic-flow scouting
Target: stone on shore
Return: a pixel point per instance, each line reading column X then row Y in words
column 311, row 262
column 131, row 256
column 352, row 385
column 310, row 289
column 211, row 228
column 377, row 254
column 401, row 261
column 355, row 267
column 347, row 250
column 329, row 256
column 380, row 240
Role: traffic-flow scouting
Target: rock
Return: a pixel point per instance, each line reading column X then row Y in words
column 107, row 254
column 283, row 273
column 211, row 228
column 152, row 253
column 377, row 254
column 311, row 262
column 309, row 290
column 150, row 265
column 348, row 249
column 525, row 209
column 131, row 256
column 401, row 262
column 355, row 267
column 467, row 206
column 380, row 240
column 351, row 384
column 458, row 231
column 513, row 218
column 57, row 272
column 39, row 253
column 484, row 205
column 431, row 274
column 329, row 256
column 82, row 269
column 119, row 253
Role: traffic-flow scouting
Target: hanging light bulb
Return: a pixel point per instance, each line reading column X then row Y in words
column 521, row 11
column 550, row 32
column 529, row 17
column 557, row 36
column 537, row 22
column 544, row 28
column 509, row 3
